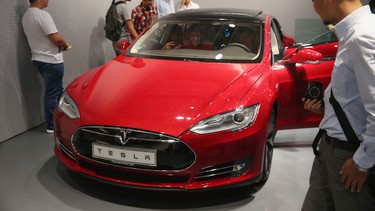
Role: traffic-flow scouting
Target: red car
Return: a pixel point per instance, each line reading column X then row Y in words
column 193, row 104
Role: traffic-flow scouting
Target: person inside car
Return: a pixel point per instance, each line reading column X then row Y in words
column 175, row 41
column 247, row 37
column 194, row 39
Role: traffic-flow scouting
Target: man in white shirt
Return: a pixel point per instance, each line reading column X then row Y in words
column 165, row 7
column 46, row 45
column 188, row 4
column 340, row 178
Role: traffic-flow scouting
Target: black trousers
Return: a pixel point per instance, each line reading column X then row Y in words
column 326, row 191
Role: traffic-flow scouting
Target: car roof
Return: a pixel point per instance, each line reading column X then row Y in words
column 222, row 13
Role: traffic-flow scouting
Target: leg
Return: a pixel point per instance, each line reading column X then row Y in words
column 318, row 197
column 52, row 75
column 345, row 200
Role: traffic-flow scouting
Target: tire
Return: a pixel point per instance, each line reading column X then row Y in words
column 269, row 145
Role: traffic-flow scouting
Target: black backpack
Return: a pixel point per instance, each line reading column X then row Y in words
column 113, row 26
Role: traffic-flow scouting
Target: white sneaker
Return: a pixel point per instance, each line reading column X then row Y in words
column 50, row 131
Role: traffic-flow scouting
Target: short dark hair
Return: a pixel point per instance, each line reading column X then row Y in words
column 372, row 4
column 32, row 1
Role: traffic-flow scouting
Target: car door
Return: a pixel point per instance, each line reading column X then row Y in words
column 293, row 80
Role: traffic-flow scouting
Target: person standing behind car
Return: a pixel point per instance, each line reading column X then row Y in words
column 128, row 32
column 339, row 176
column 144, row 15
column 188, row 4
column 165, row 7
column 46, row 44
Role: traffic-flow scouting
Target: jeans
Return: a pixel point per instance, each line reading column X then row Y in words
column 52, row 75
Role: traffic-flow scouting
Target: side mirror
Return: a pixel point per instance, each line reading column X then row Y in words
column 122, row 45
column 305, row 56
column 288, row 41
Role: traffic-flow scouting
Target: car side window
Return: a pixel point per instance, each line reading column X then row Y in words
column 277, row 46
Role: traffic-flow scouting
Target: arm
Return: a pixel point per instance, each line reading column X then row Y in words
column 58, row 40
column 362, row 51
column 313, row 106
column 129, row 24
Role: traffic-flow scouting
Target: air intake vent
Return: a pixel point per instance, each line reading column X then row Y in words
column 66, row 150
column 213, row 172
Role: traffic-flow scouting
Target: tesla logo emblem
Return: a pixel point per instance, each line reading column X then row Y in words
column 123, row 137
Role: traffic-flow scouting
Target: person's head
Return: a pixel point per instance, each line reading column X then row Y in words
column 147, row 3
column 194, row 35
column 246, row 36
column 195, row 38
column 333, row 11
column 39, row 3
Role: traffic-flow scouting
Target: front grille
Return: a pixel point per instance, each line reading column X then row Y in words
column 172, row 154
column 214, row 172
column 131, row 176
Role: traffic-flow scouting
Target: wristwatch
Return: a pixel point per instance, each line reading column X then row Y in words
column 359, row 168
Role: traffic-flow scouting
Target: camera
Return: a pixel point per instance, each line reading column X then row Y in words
column 314, row 90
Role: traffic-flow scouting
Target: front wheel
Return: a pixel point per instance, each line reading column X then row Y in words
column 268, row 149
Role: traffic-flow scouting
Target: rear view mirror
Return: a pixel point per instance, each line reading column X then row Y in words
column 305, row 56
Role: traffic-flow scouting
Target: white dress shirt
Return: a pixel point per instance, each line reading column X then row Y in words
column 165, row 7
column 353, row 83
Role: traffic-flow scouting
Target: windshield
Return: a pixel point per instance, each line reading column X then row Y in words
column 220, row 41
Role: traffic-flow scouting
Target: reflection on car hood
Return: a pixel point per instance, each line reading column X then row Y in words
column 164, row 96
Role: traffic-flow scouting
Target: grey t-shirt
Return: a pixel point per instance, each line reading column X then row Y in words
column 125, row 13
column 37, row 25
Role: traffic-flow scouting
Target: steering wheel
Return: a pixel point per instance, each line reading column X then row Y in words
column 235, row 44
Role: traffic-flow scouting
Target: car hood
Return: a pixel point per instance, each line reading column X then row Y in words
column 160, row 95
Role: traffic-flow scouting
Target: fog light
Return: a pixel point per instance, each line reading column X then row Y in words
column 241, row 166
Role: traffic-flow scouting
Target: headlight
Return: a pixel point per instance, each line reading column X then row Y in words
column 234, row 120
column 68, row 106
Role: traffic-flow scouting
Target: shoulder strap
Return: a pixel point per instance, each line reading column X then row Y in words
column 344, row 122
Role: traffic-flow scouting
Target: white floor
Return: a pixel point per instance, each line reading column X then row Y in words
column 32, row 179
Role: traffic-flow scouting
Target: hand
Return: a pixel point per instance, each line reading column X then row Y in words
column 169, row 45
column 65, row 48
column 313, row 105
column 352, row 178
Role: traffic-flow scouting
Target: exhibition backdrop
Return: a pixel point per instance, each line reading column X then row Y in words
column 81, row 23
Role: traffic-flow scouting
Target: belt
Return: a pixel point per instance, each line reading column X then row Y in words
column 336, row 143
